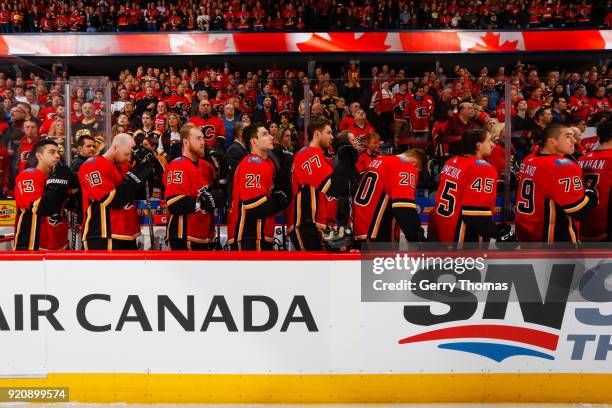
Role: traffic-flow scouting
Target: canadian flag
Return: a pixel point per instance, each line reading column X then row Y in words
column 482, row 41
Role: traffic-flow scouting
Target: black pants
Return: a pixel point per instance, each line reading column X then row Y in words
column 306, row 238
column 101, row 244
column 252, row 245
column 185, row 245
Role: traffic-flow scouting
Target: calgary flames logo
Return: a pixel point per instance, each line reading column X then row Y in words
column 421, row 112
column 55, row 219
column 208, row 131
column 181, row 106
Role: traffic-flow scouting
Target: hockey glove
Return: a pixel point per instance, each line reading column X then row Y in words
column 504, row 237
column 211, row 199
column 140, row 173
column 142, row 154
column 593, row 196
column 60, row 178
column 281, row 198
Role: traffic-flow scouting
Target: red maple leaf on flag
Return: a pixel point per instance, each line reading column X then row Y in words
column 202, row 43
column 491, row 44
column 345, row 42
column 4, row 48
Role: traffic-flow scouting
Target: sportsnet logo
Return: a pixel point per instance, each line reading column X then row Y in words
column 495, row 351
column 498, row 342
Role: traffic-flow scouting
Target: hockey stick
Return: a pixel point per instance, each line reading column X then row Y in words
column 217, row 241
column 149, row 216
column 284, row 230
column 73, row 231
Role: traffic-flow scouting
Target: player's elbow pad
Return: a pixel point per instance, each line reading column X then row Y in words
column 51, row 203
column 124, row 194
column 409, row 222
column 182, row 206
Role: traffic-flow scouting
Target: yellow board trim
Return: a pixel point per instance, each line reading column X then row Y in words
column 323, row 388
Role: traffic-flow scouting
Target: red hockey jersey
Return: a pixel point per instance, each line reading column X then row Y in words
column 550, row 190
column 32, row 231
column 389, row 182
column 310, row 181
column 597, row 174
column 467, row 188
column 253, row 182
column 99, row 179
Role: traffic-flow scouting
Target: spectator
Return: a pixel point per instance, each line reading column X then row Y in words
column 492, row 94
column 458, row 124
column 229, row 121
column 171, row 137
column 90, row 126
column 134, row 120
column 27, row 142
column 559, row 110
column 147, row 130
column 267, row 114
column 234, row 154
column 542, row 118
column 579, row 103
column 148, row 102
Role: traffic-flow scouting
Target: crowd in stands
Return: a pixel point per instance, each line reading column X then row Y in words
column 384, row 108
column 166, row 15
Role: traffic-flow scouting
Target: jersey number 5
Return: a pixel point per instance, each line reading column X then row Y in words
column 446, row 207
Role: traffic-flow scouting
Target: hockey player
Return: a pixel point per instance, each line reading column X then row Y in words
column 385, row 198
column 465, row 202
column 40, row 195
column 111, row 220
column 597, row 169
column 312, row 173
column 551, row 196
column 189, row 195
column 258, row 193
